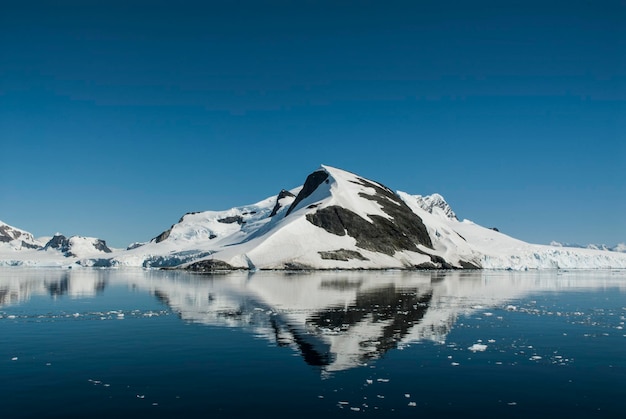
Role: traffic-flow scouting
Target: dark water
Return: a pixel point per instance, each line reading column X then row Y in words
column 103, row 343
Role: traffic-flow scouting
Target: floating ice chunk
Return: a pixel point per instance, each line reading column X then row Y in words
column 535, row 358
column 343, row 403
column 455, row 364
column 412, row 404
column 477, row 347
column 488, row 314
column 512, row 403
column 383, row 380
column 511, row 308
column 491, row 341
column 368, row 381
column 14, row 358
column 407, row 395
column 141, row 396
column 356, row 409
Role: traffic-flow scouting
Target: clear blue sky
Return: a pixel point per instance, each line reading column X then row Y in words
column 116, row 117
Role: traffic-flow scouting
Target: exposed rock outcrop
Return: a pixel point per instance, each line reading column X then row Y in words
column 209, row 265
column 404, row 230
column 342, row 254
column 311, row 183
column 281, row 196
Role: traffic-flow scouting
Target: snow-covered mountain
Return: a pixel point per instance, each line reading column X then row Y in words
column 335, row 220
column 77, row 246
column 19, row 248
column 16, row 238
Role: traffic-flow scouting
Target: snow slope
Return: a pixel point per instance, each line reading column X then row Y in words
column 335, row 220
column 499, row 251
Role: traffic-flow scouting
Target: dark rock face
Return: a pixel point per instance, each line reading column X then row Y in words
column 59, row 242
column 283, row 194
column 234, row 219
column 162, row 236
column 101, row 245
column 8, row 234
column 403, row 232
column 4, row 234
column 311, row 183
column 406, row 220
column 469, row 265
column 342, row 255
column 440, row 262
column 209, row 265
column 297, row 266
column 29, row 246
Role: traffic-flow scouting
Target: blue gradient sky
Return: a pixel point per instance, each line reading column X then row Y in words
column 116, row 117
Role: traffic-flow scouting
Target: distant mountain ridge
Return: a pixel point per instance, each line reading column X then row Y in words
column 18, row 247
column 335, row 220
column 620, row 247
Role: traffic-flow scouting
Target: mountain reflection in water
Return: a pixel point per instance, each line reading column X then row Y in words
column 335, row 320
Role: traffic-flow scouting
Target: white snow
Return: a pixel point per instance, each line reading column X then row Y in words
column 435, row 204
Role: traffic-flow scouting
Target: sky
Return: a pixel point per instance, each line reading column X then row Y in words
column 117, row 117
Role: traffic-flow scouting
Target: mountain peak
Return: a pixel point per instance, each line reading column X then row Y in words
column 17, row 237
column 436, row 205
column 77, row 246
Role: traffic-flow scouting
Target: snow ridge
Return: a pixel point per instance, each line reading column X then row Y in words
column 435, row 204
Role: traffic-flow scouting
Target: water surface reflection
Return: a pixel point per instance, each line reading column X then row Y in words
column 335, row 320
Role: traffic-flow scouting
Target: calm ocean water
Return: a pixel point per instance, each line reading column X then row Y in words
column 131, row 343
